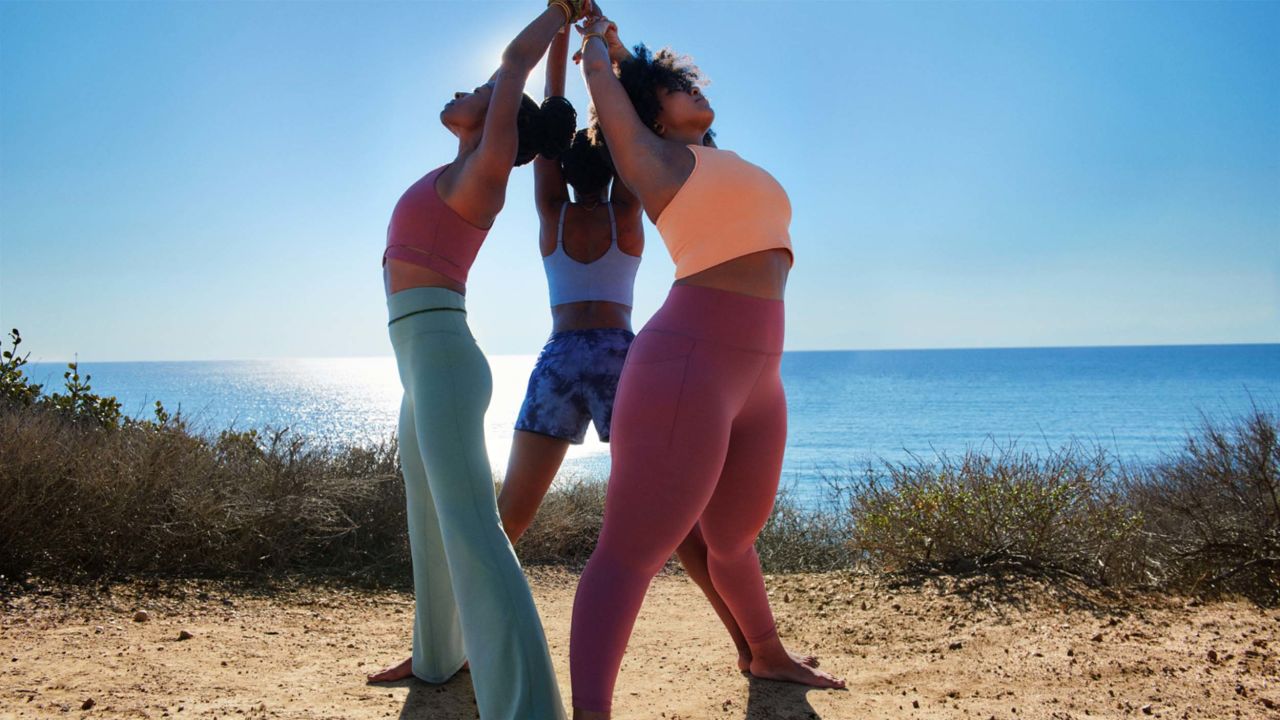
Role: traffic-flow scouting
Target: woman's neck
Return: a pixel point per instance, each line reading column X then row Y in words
column 588, row 199
column 687, row 137
column 467, row 144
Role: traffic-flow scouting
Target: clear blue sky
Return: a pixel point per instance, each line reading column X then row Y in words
column 213, row 180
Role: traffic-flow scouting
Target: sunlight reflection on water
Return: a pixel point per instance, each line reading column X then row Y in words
column 845, row 408
column 346, row 401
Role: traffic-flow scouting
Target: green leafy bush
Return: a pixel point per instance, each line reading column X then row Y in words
column 78, row 403
column 15, row 387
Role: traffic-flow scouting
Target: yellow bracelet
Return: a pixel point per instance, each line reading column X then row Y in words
column 568, row 11
column 587, row 38
column 577, row 8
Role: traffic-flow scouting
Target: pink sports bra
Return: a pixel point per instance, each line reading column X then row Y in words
column 726, row 209
column 427, row 232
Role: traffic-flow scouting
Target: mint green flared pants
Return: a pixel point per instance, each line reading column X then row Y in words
column 472, row 597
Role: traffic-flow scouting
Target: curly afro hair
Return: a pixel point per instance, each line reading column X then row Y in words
column 545, row 130
column 586, row 164
column 642, row 74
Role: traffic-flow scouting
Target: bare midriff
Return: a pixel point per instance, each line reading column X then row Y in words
column 399, row 275
column 590, row 315
column 759, row 274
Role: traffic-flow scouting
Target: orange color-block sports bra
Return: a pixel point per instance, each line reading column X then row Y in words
column 726, row 209
column 427, row 232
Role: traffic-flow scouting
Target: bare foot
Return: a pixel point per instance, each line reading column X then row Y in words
column 744, row 660
column 792, row 669
column 402, row 671
column 393, row 673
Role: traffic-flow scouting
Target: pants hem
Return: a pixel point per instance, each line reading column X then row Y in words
column 445, row 678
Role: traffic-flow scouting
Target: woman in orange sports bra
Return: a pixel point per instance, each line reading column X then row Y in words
column 699, row 423
column 590, row 250
column 473, row 603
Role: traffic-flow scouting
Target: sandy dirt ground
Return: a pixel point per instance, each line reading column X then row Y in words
column 940, row 648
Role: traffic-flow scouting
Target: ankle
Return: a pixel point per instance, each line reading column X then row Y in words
column 769, row 650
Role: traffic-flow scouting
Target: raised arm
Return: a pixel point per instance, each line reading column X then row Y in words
column 490, row 165
column 557, row 57
column 620, row 194
column 617, row 49
column 649, row 165
column 549, row 189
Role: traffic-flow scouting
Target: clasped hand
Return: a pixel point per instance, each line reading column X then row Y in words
column 596, row 22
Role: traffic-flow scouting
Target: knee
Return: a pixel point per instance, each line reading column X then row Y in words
column 693, row 551
column 516, row 519
column 511, row 507
column 626, row 560
column 728, row 546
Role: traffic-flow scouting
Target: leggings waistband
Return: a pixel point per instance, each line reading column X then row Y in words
column 423, row 299
column 742, row 321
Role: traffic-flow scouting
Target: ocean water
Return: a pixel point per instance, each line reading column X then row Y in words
column 846, row 408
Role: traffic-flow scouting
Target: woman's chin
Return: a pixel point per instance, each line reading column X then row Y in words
column 451, row 123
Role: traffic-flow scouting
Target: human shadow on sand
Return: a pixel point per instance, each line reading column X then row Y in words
column 774, row 700
column 766, row 700
column 454, row 698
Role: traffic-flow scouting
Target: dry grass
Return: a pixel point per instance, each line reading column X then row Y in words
column 1212, row 511
column 565, row 530
column 82, row 500
column 87, row 500
column 1006, row 507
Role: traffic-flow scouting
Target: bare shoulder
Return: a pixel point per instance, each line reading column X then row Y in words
column 679, row 158
column 548, row 222
column 631, row 228
column 674, row 163
column 477, row 197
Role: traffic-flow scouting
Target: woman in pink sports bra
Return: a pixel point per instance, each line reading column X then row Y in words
column 700, row 418
column 473, row 603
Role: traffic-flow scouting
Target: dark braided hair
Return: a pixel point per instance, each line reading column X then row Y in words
column 545, row 130
column 642, row 74
column 586, row 164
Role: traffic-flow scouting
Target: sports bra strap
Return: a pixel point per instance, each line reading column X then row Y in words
column 613, row 225
column 560, row 226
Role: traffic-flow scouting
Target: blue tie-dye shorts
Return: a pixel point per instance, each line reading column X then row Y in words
column 574, row 383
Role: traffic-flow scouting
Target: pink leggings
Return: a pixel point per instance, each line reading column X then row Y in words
column 699, row 426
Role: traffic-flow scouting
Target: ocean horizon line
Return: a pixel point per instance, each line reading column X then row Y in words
column 982, row 348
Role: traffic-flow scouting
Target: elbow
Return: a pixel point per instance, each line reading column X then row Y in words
column 512, row 72
column 516, row 60
column 596, row 67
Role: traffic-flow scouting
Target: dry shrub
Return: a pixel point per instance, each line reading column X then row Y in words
column 805, row 536
column 1213, row 510
column 82, row 499
column 1003, row 508
column 795, row 539
column 567, row 526
column 152, row 498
